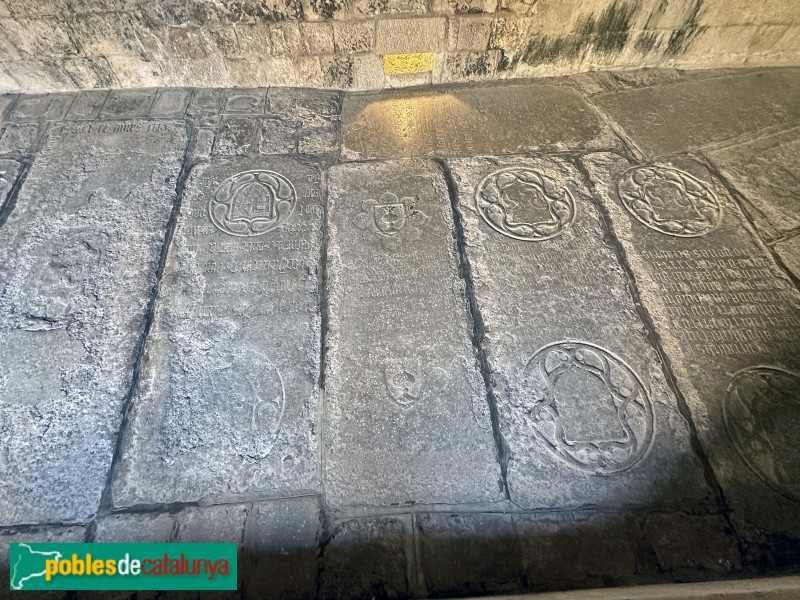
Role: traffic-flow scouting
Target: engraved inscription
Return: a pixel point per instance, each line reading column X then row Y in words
column 590, row 408
column 670, row 200
column 252, row 203
column 725, row 301
column 762, row 417
column 524, row 204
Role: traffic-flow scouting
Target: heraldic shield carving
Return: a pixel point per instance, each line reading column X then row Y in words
column 588, row 406
column 252, row 203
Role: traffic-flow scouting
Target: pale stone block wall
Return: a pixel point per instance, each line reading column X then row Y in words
column 48, row 45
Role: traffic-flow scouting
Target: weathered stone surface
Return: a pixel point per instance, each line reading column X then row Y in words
column 278, row 136
column 249, row 102
column 692, row 543
column 54, row 535
column 47, row 107
column 469, row 553
column 228, row 392
column 583, row 402
column 170, row 103
column 357, row 36
column 395, row 36
column 789, row 253
column 568, row 550
column 87, row 105
column 281, row 549
column 9, row 171
column 19, row 138
column 126, row 104
column 730, row 323
column 135, row 528
column 78, row 256
column 368, row 558
column 466, row 122
column 406, row 414
column 668, row 119
column 767, row 172
column 224, row 523
column 236, row 136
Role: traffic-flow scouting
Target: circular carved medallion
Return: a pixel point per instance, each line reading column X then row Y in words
column 762, row 417
column 589, row 407
column 670, row 200
column 252, row 203
column 524, row 204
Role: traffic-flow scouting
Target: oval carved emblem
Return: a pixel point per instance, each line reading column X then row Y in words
column 762, row 416
column 252, row 203
column 670, row 201
column 589, row 407
column 524, row 204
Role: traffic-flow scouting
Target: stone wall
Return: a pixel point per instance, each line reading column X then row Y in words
column 48, row 45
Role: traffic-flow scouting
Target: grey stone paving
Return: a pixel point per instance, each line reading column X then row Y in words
column 559, row 348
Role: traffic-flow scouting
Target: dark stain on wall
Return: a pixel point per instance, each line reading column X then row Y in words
column 328, row 8
column 607, row 34
column 647, row 41
column 683, row 36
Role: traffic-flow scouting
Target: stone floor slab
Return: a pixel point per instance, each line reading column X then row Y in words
column 789, row 253
column 229, row 386
column 78, row 257
column 766, row 172
column 467, row 122
column 730, row 324
column 583, row 403
column 406, row 415
column 667, row 119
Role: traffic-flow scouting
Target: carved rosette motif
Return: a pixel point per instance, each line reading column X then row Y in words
column 589, row 407
column 252, row 203
column 524, row 204
column 670, row 201
column 762, row 416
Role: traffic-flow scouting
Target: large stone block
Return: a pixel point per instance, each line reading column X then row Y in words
column 229, row 384
column 766, row 172
column 78, row 257
column 406, row 414
column 395, row 36
column 466, row 122
column 584, row 405
column 730, row 324
column 669, row 119
column 469, row 553
column 368, row 558
column 281, row 549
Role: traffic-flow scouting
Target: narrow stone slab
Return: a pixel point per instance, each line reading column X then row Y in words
column 767, row 172
column 583, row 402
column 730, row 323
column 229, row 385
column 406, row 414
column 78, row 257
column 466, row 122
column 667, row 119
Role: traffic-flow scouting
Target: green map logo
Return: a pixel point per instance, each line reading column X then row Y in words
column 122, row 566
column 29, row 564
